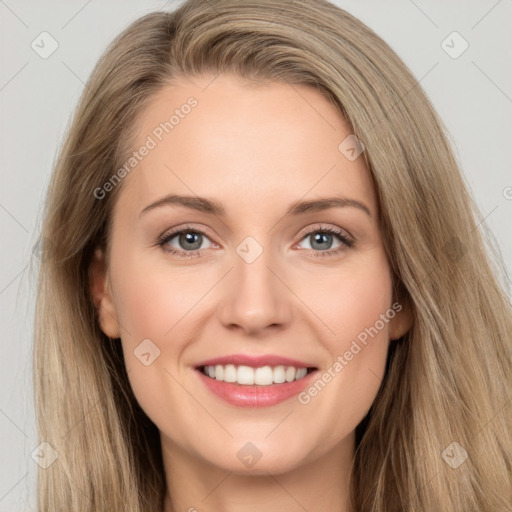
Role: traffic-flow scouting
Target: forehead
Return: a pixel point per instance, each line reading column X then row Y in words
column 244, row 144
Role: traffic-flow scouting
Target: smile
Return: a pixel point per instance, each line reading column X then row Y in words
column 248, row 376
column 245, row 386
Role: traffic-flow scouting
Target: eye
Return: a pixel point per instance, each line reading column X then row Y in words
column 188, row 240
column 321, row 239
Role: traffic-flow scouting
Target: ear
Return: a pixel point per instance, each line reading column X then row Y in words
column 101, row 292
column 402, row 322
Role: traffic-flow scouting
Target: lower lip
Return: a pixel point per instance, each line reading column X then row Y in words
column 255, row 396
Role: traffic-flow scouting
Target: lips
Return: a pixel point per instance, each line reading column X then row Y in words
column 255, row 381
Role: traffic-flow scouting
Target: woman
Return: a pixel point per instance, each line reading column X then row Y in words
column 251, row 371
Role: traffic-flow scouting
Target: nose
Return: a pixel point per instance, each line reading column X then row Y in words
column 255, row 297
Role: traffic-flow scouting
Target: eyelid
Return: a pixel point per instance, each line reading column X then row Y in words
column 186, row 227
column 303, row 232
column 324, row 227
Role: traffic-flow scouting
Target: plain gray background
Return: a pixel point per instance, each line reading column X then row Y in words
column 472, row 93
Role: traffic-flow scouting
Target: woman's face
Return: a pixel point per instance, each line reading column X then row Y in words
column 256, row 286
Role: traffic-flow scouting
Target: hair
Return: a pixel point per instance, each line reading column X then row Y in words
column 447, row 380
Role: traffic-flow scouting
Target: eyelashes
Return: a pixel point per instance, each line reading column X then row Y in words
column 343, row 237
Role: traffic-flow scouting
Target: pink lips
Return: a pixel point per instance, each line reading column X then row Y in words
column 255, row 396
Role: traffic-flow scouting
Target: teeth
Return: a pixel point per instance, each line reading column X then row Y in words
column 219, row 372
column 301, row 372
column 262, row 376
column 248, row 376
column 290, row 374
column 230, row 373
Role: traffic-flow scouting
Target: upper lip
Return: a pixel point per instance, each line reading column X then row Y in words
column 255, row 361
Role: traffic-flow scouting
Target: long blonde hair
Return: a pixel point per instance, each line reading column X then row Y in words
column 447, row 380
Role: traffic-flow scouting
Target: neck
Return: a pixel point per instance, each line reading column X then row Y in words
column 194, row 484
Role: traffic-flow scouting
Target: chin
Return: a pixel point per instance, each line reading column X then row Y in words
column 251, row 460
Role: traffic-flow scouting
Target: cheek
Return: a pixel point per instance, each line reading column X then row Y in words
column 154, row 308
column 364, row 315
column 153, row 312
column 357, row 309
column 151, row 301
column 351, row 298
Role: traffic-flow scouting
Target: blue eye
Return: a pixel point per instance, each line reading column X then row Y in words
column 324, row 236
column 190, row 240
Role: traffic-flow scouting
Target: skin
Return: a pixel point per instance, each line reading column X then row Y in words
column 255, row 149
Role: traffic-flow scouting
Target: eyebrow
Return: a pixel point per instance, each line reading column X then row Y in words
column 210, row 206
